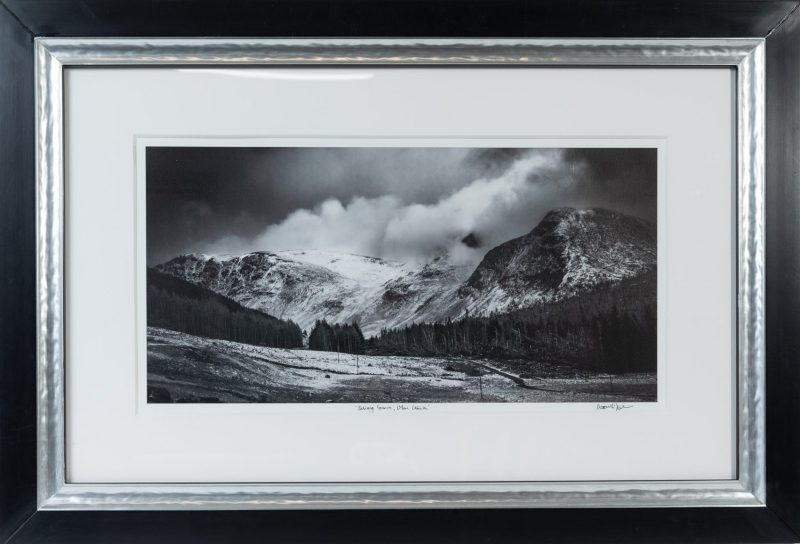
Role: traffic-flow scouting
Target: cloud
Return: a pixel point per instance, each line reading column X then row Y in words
column 395, row 203
column 412, row 174
column 357, row 227
column 493, row 209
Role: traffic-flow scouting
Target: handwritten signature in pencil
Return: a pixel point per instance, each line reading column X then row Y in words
column 614, row 406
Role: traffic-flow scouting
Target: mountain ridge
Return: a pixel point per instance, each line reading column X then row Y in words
column 569, row 251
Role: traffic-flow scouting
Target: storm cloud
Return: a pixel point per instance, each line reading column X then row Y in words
column 398, row 203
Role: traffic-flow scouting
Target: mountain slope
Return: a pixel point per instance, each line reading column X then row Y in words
column 305, row 286
column 570, row 251
column 178, row 305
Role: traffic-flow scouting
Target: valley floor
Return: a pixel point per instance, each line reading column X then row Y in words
column 185, row 368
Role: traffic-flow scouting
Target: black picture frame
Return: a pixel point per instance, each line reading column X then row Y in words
column 778, row 21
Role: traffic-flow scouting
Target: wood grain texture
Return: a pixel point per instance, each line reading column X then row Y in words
column 17, row 278
column 783, row 271
column 621, row 526
column 399, row 18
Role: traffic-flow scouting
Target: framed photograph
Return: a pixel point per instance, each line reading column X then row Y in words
column 394, row 273
column 416, row 295
column 402, row 270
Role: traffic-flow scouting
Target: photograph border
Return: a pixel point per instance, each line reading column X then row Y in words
column 660, row 144
column 746, row 55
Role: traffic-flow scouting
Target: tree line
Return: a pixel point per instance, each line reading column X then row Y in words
column 340, row 338
column 612, row 329
column 181, row 306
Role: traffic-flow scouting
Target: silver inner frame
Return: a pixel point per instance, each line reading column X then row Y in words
column 745, row 55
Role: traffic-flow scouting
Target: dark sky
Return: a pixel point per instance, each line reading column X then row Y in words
column 406, row 203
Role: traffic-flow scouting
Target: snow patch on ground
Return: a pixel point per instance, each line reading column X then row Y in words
column 186, row 368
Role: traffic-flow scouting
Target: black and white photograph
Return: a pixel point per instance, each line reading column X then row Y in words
column 401, row 274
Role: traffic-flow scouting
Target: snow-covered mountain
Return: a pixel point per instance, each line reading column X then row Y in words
column 568, row 252
column 307, row 285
